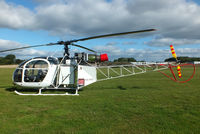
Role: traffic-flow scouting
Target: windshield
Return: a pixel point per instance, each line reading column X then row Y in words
column 37, row 64
column 22, row 64
column 35, row 71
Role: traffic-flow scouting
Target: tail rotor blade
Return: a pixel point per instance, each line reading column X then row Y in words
column 179, row 71
column 173, row 52
column 174, row 55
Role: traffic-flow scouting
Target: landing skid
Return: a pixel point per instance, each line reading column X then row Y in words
column 41, row 94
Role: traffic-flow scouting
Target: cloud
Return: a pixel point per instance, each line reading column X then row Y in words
column 129, row 43
column 16, row 17
column 111, row 49
column 173, row 19
column 176, row 21
column 168, row 41
column 145, row 54
column 47, row 1
column 7, row 44
column 24, row 53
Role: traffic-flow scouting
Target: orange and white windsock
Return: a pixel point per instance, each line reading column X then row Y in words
column 173, row 52
column 179, row 71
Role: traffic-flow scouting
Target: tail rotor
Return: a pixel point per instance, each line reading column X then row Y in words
column 178, row 67
column 178, row 62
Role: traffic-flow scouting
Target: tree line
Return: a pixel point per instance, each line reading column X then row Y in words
column 183, row 59
column 9, row 60
column 125, row 60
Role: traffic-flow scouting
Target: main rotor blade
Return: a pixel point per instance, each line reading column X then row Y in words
column 83, row 47
column 83, row 39
column 114, row 34
column 50, row 44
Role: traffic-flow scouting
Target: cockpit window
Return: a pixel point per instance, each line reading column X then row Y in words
column 53, row 60
column 37, row 64
column 34, row 75
column 35, row 71
column 22, row 64
column 18, row 75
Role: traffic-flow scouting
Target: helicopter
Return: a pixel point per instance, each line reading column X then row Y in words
column 71, row 73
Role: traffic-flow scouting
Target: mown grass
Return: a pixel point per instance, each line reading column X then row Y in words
column 145, row 103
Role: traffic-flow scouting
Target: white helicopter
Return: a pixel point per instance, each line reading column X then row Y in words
column 71, row 73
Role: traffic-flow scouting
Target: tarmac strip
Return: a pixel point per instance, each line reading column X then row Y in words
column 8, row 66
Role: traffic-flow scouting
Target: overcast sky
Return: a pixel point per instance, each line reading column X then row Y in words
column 34, row 22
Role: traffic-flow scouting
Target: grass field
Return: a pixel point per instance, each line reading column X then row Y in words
column 141, row 104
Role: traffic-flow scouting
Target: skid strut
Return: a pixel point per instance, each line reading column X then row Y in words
column 40, row 93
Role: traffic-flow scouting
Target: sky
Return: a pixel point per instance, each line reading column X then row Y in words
column 35, row 22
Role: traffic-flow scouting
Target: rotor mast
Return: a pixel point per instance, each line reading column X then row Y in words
column 66, row 47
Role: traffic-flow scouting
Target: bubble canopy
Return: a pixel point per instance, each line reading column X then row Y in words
column 33, row 70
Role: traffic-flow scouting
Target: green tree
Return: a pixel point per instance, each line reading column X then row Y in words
column 131, row 60
column 10, row 59
column 125, row 60
column 18, row 61
column 183, row 59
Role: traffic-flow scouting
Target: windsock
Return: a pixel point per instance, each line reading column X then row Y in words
column 174, row 55
column 173, row 52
